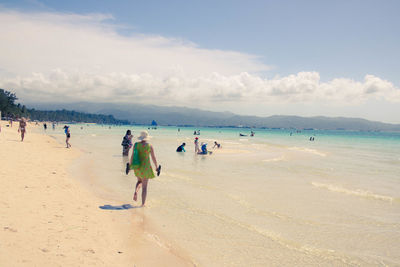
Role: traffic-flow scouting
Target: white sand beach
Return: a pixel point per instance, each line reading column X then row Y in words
column 48, row 219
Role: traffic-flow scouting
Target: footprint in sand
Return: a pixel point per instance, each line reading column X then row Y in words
column 10, row 229
column 90, row 250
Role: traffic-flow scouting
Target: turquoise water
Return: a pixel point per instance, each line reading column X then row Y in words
column 271, row 199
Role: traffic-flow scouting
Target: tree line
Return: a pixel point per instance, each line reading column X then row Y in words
column 10, row 109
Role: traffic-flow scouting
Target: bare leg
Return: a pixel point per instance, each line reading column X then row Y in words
column 22, row 135
column 144, row 191
column 137, row 189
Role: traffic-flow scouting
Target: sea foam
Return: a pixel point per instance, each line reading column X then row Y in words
column 357, row 192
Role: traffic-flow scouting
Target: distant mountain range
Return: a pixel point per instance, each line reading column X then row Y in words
column 182, row 116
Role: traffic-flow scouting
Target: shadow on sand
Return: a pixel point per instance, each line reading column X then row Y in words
column 121, row 207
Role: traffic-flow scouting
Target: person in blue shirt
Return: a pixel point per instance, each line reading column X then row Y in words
column 68, row 135
column 203, row 148
column 181, row 148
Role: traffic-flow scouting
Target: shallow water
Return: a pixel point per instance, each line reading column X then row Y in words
column 271, row 199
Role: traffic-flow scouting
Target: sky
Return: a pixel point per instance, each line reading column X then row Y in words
column 306, row 58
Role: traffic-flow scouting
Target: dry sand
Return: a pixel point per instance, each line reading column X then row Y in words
column 49, row 219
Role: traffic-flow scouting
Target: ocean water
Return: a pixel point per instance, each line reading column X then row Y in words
column 275, row 199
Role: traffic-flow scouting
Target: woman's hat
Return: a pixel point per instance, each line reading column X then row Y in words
column 144, row 136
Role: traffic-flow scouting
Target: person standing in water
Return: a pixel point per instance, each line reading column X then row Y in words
column 126, row 143
column 144, row 171
column 68, row 135
column 196, row 145
column 22, row 128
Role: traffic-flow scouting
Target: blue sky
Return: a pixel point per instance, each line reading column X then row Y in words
column 336, row 39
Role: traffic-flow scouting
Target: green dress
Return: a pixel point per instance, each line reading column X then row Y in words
column 144, row 170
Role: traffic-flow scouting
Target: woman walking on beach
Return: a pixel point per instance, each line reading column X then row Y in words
column 68, row 135
column 143, row 170
column 22, row 128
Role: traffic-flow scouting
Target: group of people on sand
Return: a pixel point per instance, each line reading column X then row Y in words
column 23, row 124
column 140, row 161
column 198, row 149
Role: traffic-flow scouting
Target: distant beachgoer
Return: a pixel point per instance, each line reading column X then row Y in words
column 181, row 148
column 45, row 126
column 252, row 133
column 54, row 125
column 144, row 171
column 22, row 128
column 68, row 135
column 216, row 145
column 11, row 122
column 196, row 145
column 194, row 133
column 179, row 129
column 126, row 143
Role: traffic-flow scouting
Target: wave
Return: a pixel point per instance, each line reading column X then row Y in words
column 308, row 150
column 357, row 192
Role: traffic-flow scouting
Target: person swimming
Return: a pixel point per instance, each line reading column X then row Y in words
column 181, row 148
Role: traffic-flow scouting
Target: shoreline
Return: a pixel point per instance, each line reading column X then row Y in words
column 147, row 238
column 49, row 218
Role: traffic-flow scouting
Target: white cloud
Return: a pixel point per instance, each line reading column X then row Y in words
column 70, row 57
column 40, row 42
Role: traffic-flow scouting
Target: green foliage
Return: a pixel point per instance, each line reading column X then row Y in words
column 8, row 108
column 72, row 116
